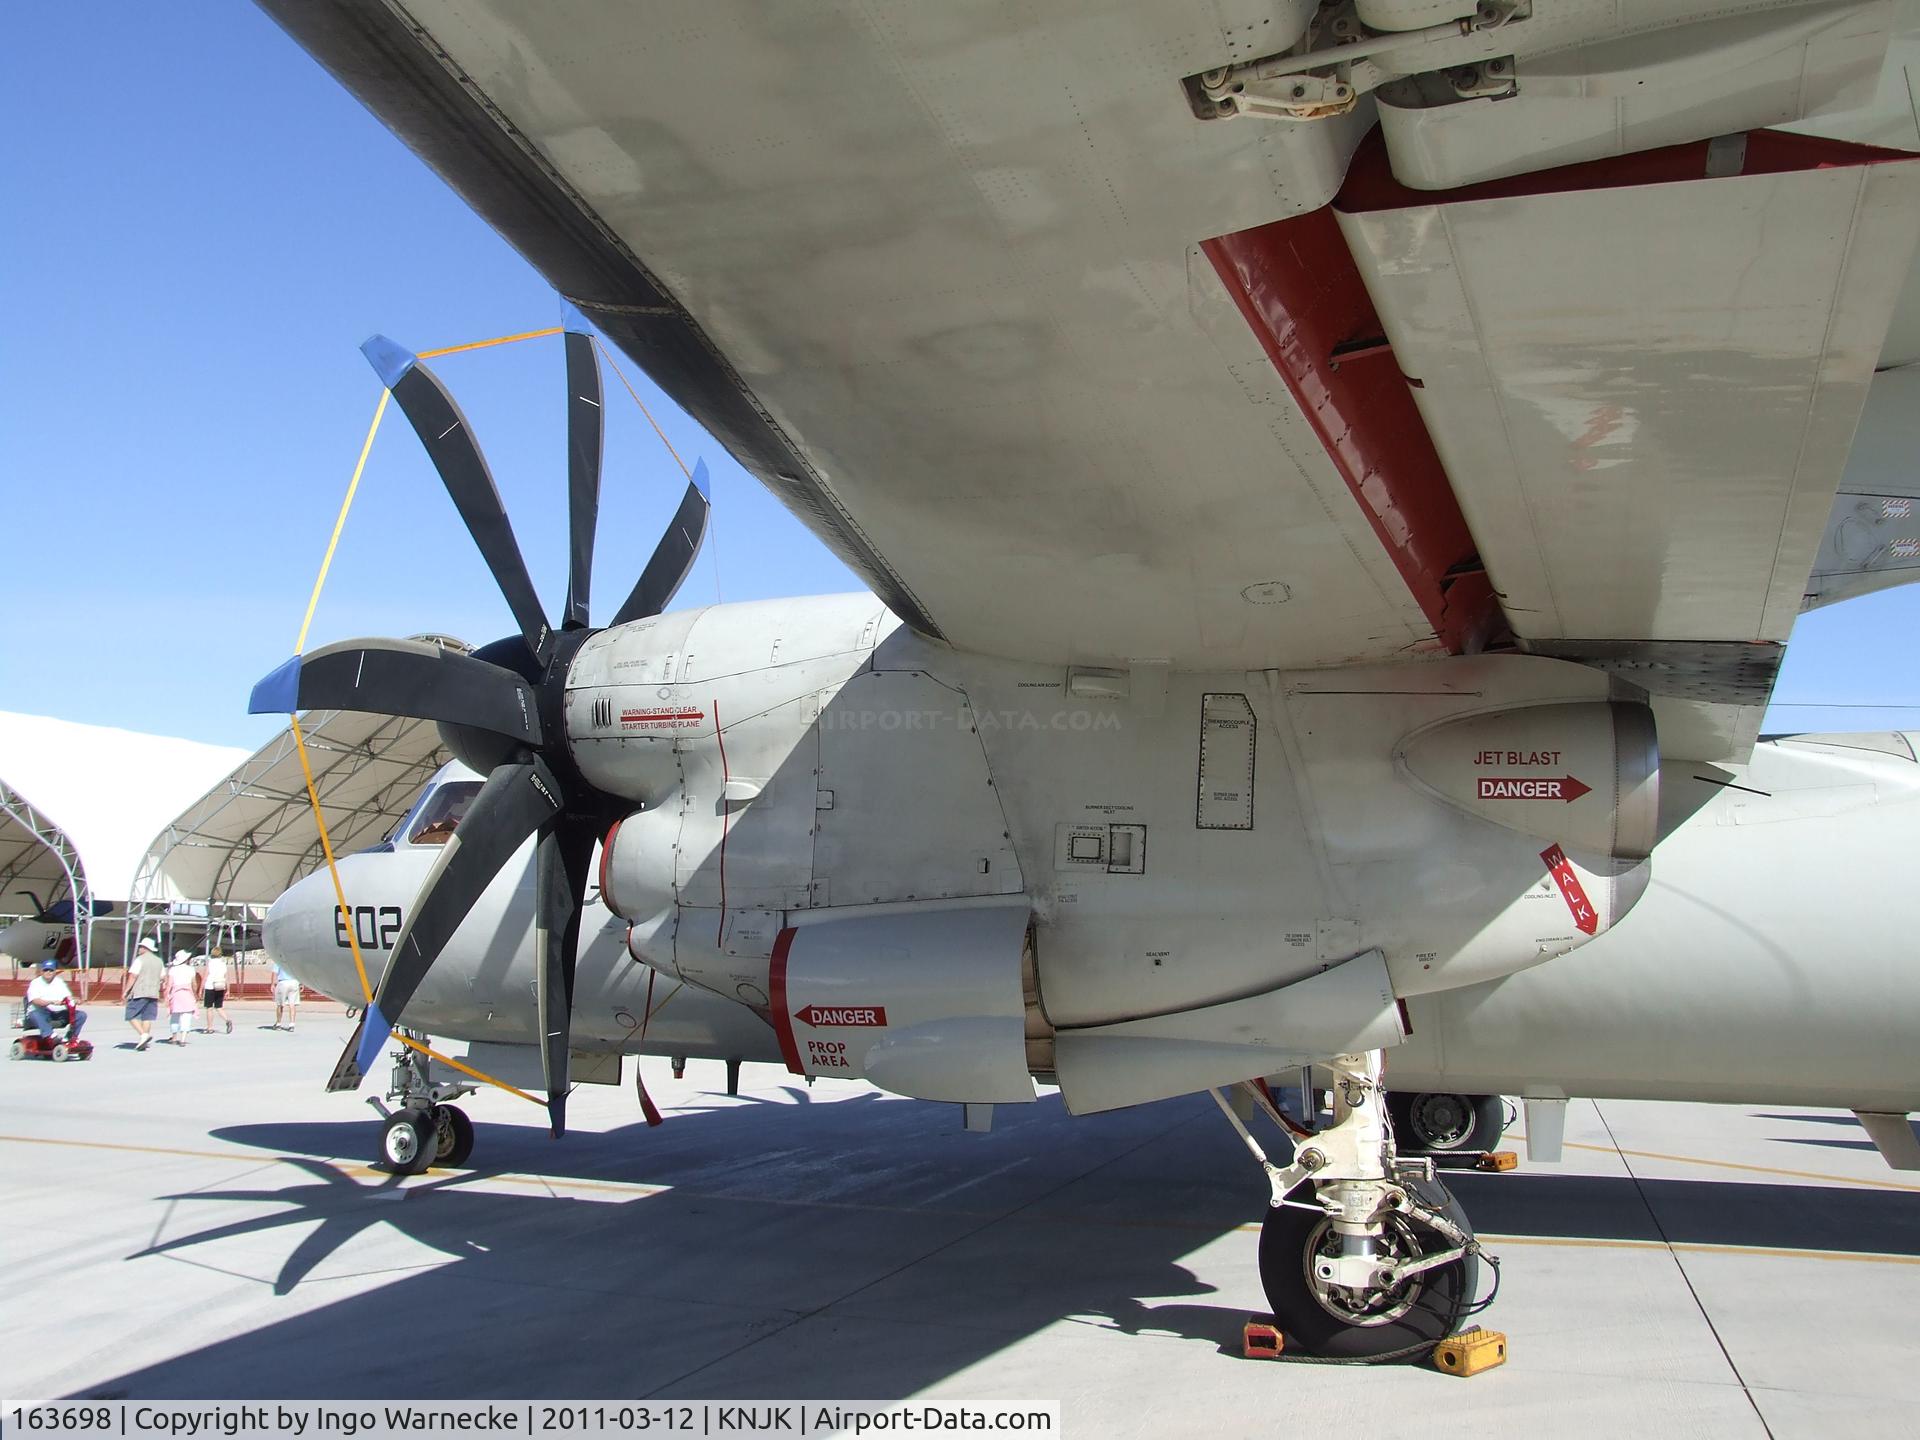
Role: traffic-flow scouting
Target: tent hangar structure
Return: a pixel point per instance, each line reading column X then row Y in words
column 236, row 849
column 40, row 865
column 78, row 805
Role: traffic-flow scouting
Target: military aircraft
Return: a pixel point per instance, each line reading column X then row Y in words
column 1335, row 481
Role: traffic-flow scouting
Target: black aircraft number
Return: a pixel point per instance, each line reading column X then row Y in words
column 374, row 928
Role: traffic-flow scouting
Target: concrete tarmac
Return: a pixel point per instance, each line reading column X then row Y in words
column 207, row 1223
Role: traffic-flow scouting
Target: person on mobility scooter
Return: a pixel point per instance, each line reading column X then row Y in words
column 54, row 1019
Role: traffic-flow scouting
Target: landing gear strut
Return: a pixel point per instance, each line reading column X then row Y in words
column 427, row 1128
column 1363, row 1255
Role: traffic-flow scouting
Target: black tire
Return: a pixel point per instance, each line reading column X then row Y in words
column 453, row 1136
column 1439, row 1123
column 407, row 1142
column 59, row 1052
column 1423, row 1313
column 17, row 1050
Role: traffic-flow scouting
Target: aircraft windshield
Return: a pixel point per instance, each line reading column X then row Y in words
column 434, row 822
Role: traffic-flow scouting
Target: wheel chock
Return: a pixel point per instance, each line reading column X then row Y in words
column 1498, row 1160
column 1470, row 1352
column 1261, row 1340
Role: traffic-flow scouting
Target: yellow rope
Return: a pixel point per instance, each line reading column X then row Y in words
column 339, row 524
column 643, row 406
column 486, row 344
column 413, row 1044
column 333, row 868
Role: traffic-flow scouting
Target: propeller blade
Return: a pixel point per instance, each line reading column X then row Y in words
column 403, row 677
column 673, row 556
column 561, row 882
column 450, row 443
column 515, row 802
column 585, row 432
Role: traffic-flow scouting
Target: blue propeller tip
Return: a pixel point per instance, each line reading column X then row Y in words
column 373, row 1039
column 572, row 320
column 390, row 361
column 279, row 692
column 700, row 480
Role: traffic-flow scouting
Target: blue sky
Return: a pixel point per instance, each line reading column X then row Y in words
column 201, row 229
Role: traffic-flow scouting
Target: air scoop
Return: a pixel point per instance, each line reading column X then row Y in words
column 1585, row 775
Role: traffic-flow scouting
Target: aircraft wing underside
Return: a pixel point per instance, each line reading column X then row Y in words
column 1067, row 372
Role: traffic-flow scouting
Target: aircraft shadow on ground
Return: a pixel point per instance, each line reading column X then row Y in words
column 863, row 1248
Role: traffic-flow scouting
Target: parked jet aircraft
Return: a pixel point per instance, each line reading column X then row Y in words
column 1337, row 482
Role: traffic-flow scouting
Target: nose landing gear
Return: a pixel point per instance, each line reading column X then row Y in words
column 1364, row 1255
column 427, row 1129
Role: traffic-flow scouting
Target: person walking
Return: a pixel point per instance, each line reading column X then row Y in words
column 213, row 990
column 286, row 997
column 183, row 997
column 140, row 989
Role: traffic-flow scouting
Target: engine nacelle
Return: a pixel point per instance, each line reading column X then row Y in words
column 926, row 1001
column 1585, row 775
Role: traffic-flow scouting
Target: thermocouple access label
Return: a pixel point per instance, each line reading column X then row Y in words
column 1226, row 764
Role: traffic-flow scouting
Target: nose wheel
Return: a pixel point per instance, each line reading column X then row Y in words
column 406, row 1142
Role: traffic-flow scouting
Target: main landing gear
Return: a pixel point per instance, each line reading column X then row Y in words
column 426, row 1129
column 1364, row 1255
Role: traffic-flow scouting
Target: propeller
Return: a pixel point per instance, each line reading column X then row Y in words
column 501, row 709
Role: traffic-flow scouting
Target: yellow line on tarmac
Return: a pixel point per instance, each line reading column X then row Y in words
column 1750, row 1169
column 1696, row 1247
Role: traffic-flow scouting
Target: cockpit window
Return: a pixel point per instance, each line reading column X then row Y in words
column 434, row 822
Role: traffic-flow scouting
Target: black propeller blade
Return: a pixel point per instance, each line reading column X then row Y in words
column 463, row 470
column 472, row 699
column 403, row 677
column 585, row 431
column 517, row 800
column 561, row 883
column 673, row 556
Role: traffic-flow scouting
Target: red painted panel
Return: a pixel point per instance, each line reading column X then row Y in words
column 1297, row 285
column 777, row 1001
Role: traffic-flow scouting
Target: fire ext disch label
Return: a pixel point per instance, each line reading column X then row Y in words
column 1226, row 763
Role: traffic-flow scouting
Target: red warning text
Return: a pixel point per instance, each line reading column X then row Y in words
column 817, row 1015
column 1524, row 787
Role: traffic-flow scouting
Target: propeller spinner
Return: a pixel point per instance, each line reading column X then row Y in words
column 500, row 710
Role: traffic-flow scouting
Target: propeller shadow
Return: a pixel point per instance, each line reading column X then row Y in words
column 777, row 1245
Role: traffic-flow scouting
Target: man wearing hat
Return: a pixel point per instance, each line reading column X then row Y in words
column 49, row 1002
column 140, row 988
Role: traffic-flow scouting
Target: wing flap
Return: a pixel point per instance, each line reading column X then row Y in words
column 1645, row 393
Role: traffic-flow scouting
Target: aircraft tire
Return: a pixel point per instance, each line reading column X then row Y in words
column 407, row 1142
column 453, row 1136
column 1420, row 1313
column 1437, row 1123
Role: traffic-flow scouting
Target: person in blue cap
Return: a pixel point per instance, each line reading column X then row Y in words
column 49, row 1002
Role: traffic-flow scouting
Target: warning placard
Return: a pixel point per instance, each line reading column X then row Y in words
column 818, row 1015
column 1528, row 787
